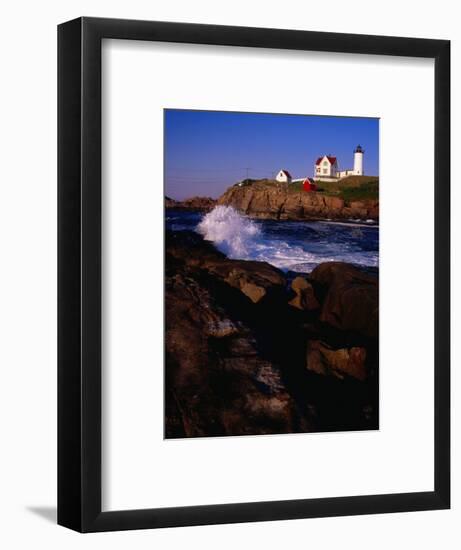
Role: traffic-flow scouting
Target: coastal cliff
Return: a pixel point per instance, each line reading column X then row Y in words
column 353, row 198
column 251, row 350
column 283, row 201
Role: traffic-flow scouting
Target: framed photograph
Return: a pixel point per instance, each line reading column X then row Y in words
column 254, row 318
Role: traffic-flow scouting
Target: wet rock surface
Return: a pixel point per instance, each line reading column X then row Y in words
column 350, row 298
column 246, row 352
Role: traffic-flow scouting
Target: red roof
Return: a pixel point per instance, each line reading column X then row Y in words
column 286, row 173
column 332, row 160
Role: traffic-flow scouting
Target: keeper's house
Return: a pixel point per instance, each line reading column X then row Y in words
column 326, row 167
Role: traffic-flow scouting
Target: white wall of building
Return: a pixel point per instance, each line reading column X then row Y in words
column 325, row 169
column 358, row 163
column 282, row 177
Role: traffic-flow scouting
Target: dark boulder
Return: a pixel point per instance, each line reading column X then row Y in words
column 350, row 298
column 256, row 280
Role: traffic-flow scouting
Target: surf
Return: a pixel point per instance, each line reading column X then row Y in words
column 232, row 233
column 289, row 246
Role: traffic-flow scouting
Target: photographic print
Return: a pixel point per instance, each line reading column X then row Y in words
column 271, row 273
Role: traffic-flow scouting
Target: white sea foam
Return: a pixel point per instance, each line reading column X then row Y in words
column 232, row 233
column 241, row 238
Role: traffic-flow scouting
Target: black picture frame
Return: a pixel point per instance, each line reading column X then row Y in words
column 79, row 274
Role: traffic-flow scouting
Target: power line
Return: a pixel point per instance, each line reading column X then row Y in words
column 248, row 168
column 235, row 169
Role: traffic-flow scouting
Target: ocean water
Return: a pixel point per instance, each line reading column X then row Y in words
column 288, row 245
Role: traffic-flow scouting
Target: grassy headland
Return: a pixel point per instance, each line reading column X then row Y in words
column 352, row 188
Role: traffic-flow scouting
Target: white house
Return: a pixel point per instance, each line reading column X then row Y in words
column 284, row 176
column 326, row 167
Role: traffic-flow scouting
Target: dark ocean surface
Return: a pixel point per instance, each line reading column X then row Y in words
column 297, row 246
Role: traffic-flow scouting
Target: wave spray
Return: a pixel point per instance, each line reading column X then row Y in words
column 232, row 233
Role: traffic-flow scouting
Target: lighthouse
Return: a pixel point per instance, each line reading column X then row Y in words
column 358, row 161
column 326, row 167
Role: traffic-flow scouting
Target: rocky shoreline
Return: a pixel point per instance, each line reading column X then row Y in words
column 250, row 351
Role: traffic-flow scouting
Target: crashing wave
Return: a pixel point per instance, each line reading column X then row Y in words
column 231, row 232
column 302, row 250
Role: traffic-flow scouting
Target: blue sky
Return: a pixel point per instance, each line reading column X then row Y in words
column 207, row 151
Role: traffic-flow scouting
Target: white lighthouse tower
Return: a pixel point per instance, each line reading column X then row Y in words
column 358, row 161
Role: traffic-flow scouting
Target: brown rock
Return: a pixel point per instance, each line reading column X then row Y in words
column 305, row 297
column 254, row 292
column 217, row 383
column 351, row 298
column 254, row 279
column 359, row 213
column 373, row 212
column 268, row 199
column 170, row 203
column 337, row 362
column 334, row 203
column 194, row 203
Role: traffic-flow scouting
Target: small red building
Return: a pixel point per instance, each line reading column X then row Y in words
column 309, row 185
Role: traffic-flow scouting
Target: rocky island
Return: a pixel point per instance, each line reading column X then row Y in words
column 200, row 204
